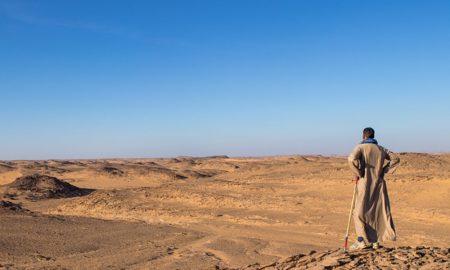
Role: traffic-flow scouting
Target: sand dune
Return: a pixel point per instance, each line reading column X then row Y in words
column 213, row 213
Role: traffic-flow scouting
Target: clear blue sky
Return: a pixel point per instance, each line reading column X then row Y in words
column 92, row 79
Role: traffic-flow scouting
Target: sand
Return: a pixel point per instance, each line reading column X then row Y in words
column 215, row 213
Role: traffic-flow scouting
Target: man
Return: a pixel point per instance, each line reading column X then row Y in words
column 372, row 214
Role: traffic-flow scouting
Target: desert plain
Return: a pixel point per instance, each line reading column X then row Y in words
column 280, row 212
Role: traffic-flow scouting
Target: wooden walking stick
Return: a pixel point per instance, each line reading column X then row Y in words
column 350, row 215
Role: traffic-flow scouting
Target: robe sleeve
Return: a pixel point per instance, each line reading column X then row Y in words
column 354, row 160
column 393, row 162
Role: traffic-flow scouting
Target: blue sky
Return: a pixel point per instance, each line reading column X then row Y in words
column 94, row 79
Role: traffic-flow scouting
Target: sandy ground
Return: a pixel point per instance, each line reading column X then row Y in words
column 209, row 213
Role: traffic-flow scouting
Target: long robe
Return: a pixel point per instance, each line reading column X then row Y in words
column 372, row 213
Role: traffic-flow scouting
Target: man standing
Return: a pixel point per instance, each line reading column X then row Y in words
column 372, row 214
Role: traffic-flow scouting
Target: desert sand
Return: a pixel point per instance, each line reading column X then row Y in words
column 286, row 212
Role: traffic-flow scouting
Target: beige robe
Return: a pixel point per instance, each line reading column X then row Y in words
column 372, row 213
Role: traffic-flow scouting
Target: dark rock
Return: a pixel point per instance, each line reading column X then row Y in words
column 113, row 171
column 7, row 205
column 39, row 186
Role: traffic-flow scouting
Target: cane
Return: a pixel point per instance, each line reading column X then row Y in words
column 350, row 215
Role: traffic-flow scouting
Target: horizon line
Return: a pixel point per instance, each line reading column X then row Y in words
column 214, row 156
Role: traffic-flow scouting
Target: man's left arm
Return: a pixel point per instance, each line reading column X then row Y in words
column 394, row 162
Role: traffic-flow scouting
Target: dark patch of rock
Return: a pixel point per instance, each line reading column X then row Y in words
column 113, row 171
column 7, row 205
column 37, row 186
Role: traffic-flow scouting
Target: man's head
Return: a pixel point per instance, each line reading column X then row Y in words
column 368, row 133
